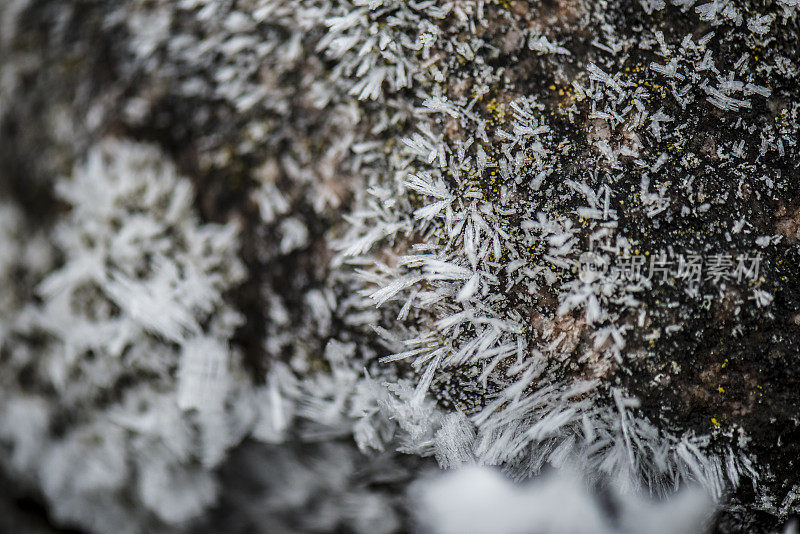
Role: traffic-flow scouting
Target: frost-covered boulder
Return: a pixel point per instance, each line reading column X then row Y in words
column 528, row 234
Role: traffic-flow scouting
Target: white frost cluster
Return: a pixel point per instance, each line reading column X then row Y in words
column 481, row 501
column 132, row 373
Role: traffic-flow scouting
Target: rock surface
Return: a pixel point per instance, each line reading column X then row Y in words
column 264, row 235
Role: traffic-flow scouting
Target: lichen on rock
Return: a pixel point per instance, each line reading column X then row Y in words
column 526, row 234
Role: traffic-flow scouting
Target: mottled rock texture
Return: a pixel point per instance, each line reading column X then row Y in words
column 335, row 240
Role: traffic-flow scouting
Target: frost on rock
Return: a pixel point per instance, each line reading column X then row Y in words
column 503, row 194
column 461, row 232
column 124, row 371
